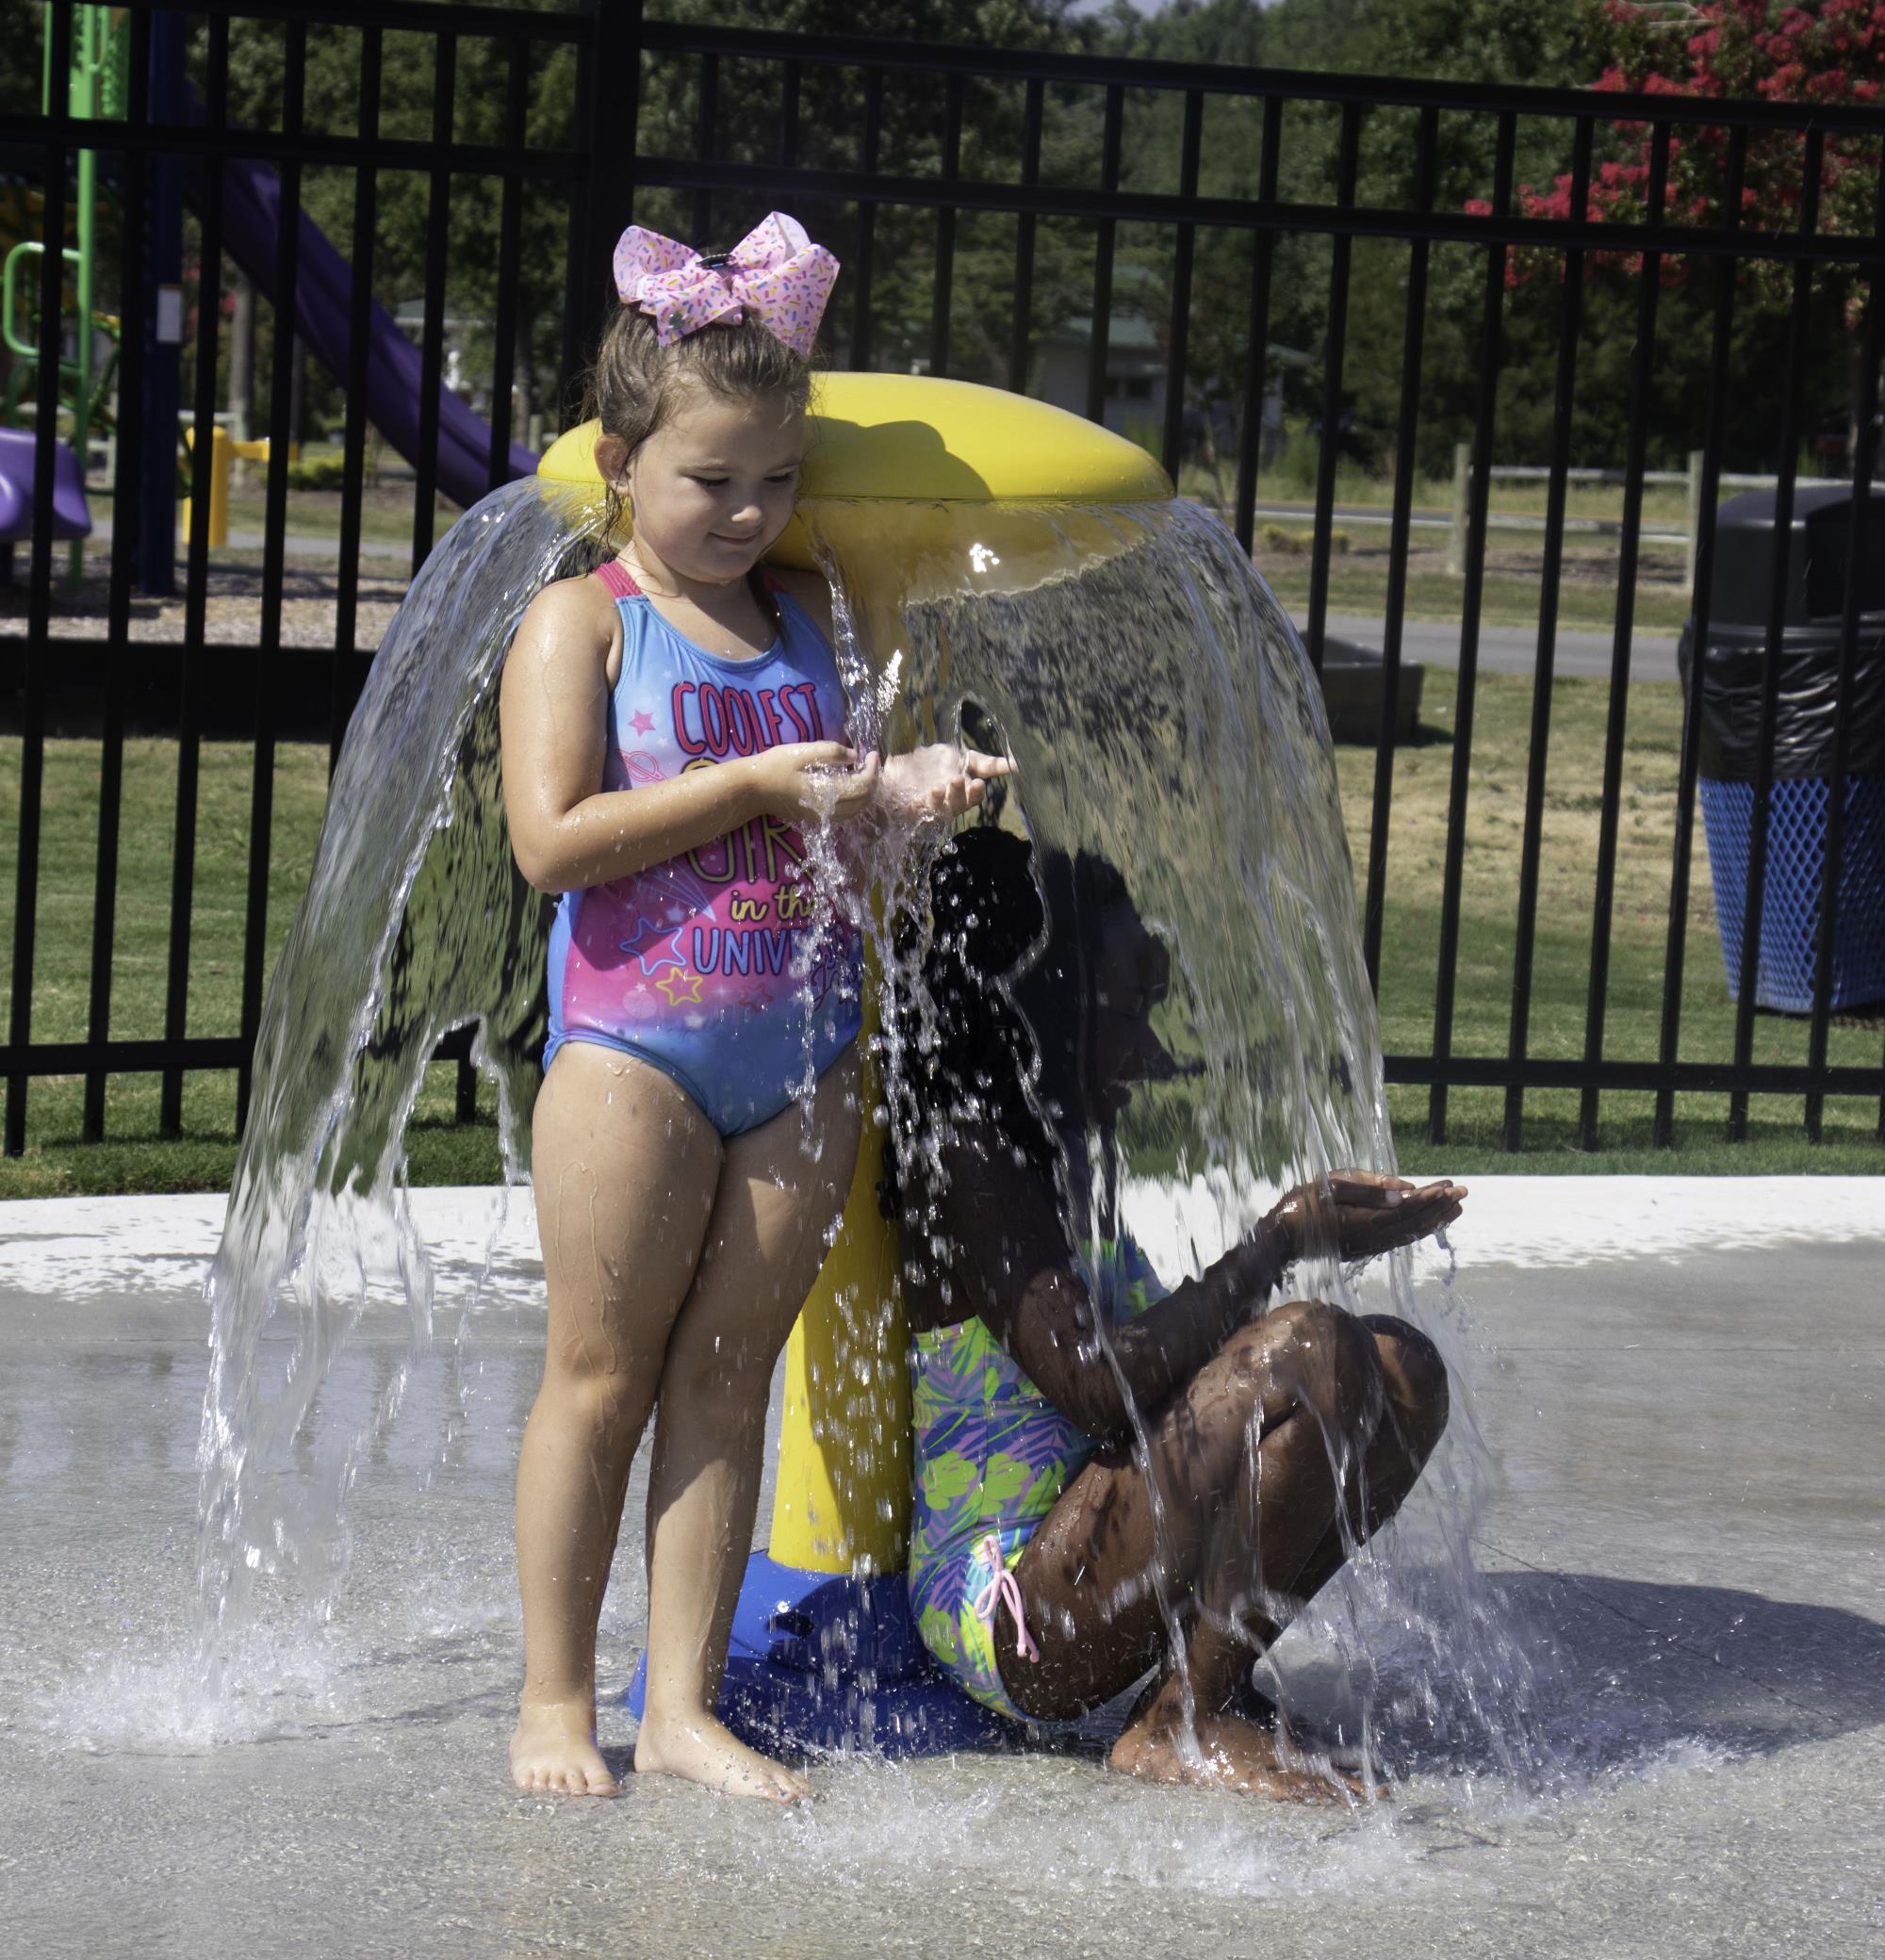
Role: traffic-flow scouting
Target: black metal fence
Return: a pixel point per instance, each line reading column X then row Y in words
column 986, row 202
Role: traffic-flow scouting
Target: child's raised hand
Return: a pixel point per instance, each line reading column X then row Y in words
column 938, row 782
column 816, row 782
column 1358, row 1213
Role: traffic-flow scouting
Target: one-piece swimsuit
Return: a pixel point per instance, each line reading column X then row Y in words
column 731, row 968
column 993, row 1456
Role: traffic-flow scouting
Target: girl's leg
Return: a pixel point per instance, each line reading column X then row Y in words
column 767, row 1239
column 1413, row 1421
column 1243, row 1514
column 625, row 1167
column 1202, row 1706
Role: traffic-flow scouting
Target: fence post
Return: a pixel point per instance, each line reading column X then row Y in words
column 608, row 124
column 1695, row 457
column 1456, row 541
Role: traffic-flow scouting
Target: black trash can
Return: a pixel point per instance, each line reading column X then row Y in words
column 1726, row 693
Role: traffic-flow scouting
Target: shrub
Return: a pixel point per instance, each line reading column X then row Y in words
column 319, row 469
column 1284, row 543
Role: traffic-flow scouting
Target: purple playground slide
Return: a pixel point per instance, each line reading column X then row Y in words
column 323, row 302
column 18, row 454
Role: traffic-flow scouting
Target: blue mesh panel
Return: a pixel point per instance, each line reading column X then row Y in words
column 1789, row 908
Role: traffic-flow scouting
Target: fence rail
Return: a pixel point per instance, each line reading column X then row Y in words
column 922, row 139
column 1689, row 537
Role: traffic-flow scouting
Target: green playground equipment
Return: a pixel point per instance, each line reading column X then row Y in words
column 96, row 85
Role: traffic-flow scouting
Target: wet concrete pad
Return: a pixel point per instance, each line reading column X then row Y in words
column 1681, row 1539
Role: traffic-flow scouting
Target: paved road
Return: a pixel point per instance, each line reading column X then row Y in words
column 1511, row 649
column 298, row 544
column 1502, row 649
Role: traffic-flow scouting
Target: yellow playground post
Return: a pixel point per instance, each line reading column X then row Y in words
column 225, row 452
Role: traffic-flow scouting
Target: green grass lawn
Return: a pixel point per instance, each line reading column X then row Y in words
column 133, row 1157
column 1358, row 577
column 1358, row 583
column 1665, row 506
column 1484, row 1001
column 386, row 513
column 1358, row 574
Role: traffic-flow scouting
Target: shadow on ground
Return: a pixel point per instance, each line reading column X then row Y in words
column 1607, row 1673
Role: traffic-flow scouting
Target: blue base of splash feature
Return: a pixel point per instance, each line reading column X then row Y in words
column 1789, row 909
column 818, row 1662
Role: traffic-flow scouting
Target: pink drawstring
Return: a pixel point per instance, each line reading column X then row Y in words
column 1001, row 1587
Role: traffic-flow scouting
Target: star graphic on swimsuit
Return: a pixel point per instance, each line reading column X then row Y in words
column 642, row 722
column 649, row 934
column 683, row 988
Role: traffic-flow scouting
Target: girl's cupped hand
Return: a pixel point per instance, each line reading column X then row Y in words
column 1358, row 1213
column 941, row 781
column 817, row 782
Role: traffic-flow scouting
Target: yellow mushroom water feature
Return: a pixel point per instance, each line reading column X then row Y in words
column 1002, row 572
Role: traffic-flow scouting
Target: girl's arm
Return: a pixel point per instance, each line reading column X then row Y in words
column 936, row 784
column 1010, row 1263
column 566, row 830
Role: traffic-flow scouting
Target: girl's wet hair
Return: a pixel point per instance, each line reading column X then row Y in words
column 636, row 383
column 1003, row 971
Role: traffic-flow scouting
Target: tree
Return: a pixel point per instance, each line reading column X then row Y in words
column 1821, row 52
column 1825, row 52
column 913, row 115
column 21, row 22
column 1481, row 40
column 331, row 82
column 831, row 120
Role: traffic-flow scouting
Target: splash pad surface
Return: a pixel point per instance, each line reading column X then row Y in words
column 1681, row 1382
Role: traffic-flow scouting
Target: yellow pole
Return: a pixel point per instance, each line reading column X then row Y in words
column 842, row 1501
column 218, row 486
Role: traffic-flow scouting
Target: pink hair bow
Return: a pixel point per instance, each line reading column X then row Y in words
column 774, row 270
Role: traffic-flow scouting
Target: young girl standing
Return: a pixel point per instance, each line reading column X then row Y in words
column 672, row 726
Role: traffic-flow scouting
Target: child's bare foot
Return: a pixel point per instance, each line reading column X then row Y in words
column 1295, row 1733
column 703, row 1750
column 554, row 1748
column 1229, row 1754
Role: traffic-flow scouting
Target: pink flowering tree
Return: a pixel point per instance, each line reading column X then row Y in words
column 1827, row 52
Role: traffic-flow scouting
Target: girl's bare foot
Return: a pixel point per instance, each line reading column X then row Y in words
column 1296, row 1734
column 1226, row 1753
column 554, row 1748
column 704, row 1751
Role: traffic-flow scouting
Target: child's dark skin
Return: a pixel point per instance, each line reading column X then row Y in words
column 1221, row 1506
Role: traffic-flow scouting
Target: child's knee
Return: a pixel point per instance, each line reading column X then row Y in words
column 1415, row 1378
column 602, row 1402
column 732, row 1374
column 1318, row 1354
